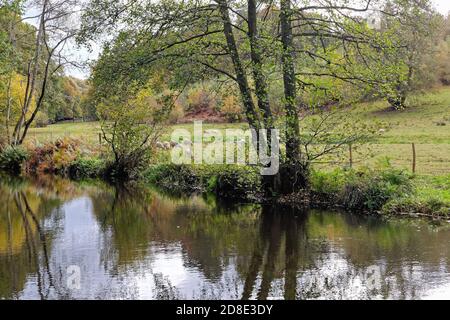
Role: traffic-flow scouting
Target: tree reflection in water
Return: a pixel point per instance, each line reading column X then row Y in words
column 138, row 243
column 276, row 224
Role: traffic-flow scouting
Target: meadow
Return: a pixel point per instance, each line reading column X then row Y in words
column 426, row 124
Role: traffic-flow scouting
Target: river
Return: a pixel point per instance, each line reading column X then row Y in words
column 88, row 240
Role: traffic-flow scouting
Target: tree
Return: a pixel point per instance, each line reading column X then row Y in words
column 400, row 60
column 442, row 54
column 47, row 59
column 240, row 42
column 131, row 125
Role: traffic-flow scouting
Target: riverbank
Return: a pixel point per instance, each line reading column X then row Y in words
column 383, row 190
column 379, row 182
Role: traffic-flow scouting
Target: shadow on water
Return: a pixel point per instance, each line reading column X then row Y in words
column 140, row 243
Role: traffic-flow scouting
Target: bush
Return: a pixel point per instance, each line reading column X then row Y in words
column 361, row 191
column 232, row 182
column 87, row 168
column 370, row 190
column 327, row 185
column 176, row 114
column 232, row 109
column 130, row 125
column 237, row 182
column 179, row 178
column 54, row 157
column 200, row 99
column 12, row 159
column 413, row 206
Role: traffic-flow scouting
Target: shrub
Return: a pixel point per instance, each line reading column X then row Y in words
column 361, row 191
column 370, row 190
column 237, row 182
column 327, row 185
column 54, row 157
column 87, row 168
column 12, row 159
column 177, row 113
column 410, row 205
column 175, row 177
column 233, row 182
column 232, row 109
column 199, row 99
column 131, row 125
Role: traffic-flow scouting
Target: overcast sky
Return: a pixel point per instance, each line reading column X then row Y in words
column 82, row 54
column 442, row 5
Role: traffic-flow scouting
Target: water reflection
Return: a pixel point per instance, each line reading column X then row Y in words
column 142, row 244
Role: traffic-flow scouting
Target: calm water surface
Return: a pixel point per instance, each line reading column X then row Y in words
column 66, row 240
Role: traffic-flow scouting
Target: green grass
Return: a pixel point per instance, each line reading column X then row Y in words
column 433, row 188
column 417, row 124
column 86, row 131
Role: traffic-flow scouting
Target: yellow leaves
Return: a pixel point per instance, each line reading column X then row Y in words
column 232, row 108
column 71, row 88
column 12, row 225
column 16, row 94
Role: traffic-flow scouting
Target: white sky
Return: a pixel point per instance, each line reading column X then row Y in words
column 82, row 54
column 442, row 5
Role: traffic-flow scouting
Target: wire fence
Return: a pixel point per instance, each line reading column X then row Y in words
column 425, row 159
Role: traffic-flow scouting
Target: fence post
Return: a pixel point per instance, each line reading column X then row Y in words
column 350, row 149
column 100, row 138
column 414, row 158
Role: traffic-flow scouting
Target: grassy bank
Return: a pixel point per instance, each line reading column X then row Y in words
column 381, row 190
column 74, row 150
column 426, row 124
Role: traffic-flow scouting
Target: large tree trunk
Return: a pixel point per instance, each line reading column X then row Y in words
column 28, row 123
column 290, row 88
column 250, row 110
column 271, row 183
column 261, row 87
column 293, row 172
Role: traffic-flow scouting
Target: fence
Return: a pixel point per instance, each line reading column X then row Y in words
column 418, row 158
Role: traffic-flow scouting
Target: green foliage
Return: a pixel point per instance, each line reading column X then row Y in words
column 12, row 159
column 431, row 197
column 365, row 190
column 369, row 190
column 237, row 182
column 415, row 206
column 179, row 178
column 87, row 168
column 232, row 109
column 200, row 98
column 241, row 183
column 41, row 120
column 327, row 183
column 64, row 99
column 131, row 126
